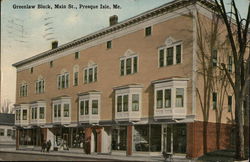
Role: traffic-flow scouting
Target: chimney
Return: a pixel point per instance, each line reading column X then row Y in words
column 54, row 44
column 113, row 20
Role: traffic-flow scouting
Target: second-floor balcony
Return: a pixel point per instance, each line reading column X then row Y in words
column 61, row 113
column 128, row 102
column 170, row 98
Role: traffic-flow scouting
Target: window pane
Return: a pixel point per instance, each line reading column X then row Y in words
column 128, row 66
column 67, row 81
column 24, row 114
column 59, row 82
column 119, row 103
column 59, row 110
column 167, row 98
column 1, row 132
column 90, row 75
column 66, row 110
column 170, row 54
column 178, row 54
column 41, row 113
column 179, row 97
column 86, row 107
column 86, row 76
column 161, row 58
column 109, row 44
column 214, row 53
column 214, row 100
column 135, row 102
column 122, row 67
column 95, row 74
column 94, row 106
column 159, row 98
column 125, row 103
column 35, row 113
column 9, row 132
column 55, row 110
column 63, row 81
column 82, row 107
column 135, row 64
column 148, row 31
column 17, row 115
column 75, row 78
column 76, row 55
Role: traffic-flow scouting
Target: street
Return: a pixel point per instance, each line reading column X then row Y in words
column 31, row 157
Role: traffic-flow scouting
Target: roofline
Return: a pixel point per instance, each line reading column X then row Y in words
column 138, row 18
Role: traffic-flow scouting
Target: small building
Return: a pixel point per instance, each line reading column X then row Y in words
column 7, row 129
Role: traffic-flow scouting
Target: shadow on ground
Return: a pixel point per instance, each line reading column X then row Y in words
column 218, row 156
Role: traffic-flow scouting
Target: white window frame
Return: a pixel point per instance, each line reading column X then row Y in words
column 93, row 76
column 37, row 91
column 61, row 101
column 124, row 58
column 23, row 90
column 61, row 81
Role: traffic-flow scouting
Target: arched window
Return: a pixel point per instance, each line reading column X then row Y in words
column 90, row 73
column 23, row 89
column 75, row 75
column 63, row 79
column 40, row 85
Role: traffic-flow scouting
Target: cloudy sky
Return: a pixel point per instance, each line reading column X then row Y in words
column 27, row 32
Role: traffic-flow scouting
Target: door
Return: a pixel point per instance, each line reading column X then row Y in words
column 168, row 138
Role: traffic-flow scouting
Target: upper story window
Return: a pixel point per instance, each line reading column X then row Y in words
column 40, row 85
column 170, row 53
column 51, row 64
column 229, row 101
column 230, row 64
column 76, row 75
column 128, row 63
column 148, row 31
column 63, row 80
column 38, row 110
column 1, row 132
column 23, row 91
column 25, row 114
column 22, row 113
column 128, row 98
column 109, row 44
column 18, row 114
column 77, row 55
column 90, row 74
column 34, row 113
column 214, row 57
column 214, row 97
column 62, row 109
column 31, row 70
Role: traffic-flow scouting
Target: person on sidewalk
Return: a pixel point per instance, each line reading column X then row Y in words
column 44, row 145
column 48, row 145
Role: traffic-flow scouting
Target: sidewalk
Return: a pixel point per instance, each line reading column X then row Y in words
column 94, row 156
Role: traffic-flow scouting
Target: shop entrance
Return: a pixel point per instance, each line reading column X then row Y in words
column 174, row 138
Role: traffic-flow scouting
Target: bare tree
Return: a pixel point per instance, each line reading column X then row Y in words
column 6, row 107
column 238, row 36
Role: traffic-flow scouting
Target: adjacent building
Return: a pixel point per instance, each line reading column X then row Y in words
column 7, row 130
column 130, row 88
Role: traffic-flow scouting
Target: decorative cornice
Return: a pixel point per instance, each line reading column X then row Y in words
column 166, row 8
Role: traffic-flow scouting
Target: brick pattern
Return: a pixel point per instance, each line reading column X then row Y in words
column 195, row 138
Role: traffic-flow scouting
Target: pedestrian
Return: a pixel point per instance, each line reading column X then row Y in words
column 43, row 146
column 48, row 145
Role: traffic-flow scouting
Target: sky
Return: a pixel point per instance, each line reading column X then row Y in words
column 28, row 32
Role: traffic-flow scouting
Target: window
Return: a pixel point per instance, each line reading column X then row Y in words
column 214, row 100
column 148, row 31
column 77, row 54
column 179, row 97
column 119, row 104
column 18, row 114
column 57, row 110
column 63, row 81
column 109, row 44
column 86, row 107
column 178, row 54
column 40, row 86
column 41, row 111
column 76, row 79
column 1, row 132
column 81, row 107
column 229, row 100
column 94, row 106
column 9, row 132
column 129, row 65
column 66, row 110
column 24, row 114
column 125, row 103
column 230, row 64
column 51, row 64
column 159, row 98
column 31, row 70
column 34, row 113
column 90, row 74
column 167, row 98
column 135, row 102
column 170, row 55
column 214, row 55
column 23, row 90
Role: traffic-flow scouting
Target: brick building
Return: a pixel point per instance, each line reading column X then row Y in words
column 127, row 89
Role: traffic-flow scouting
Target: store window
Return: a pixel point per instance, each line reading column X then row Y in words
column 119, row 138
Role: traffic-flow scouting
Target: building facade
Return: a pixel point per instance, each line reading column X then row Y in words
column 7, row 131
column 127, row 89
